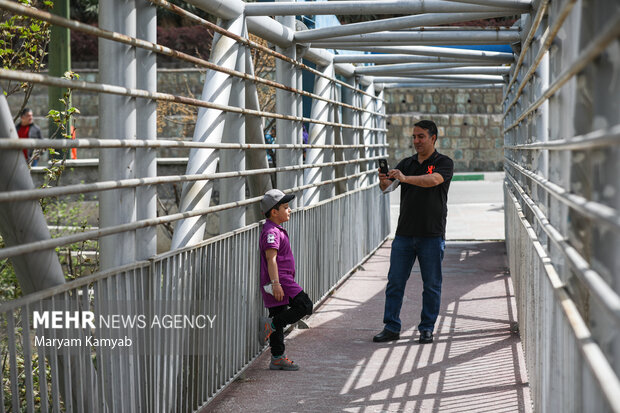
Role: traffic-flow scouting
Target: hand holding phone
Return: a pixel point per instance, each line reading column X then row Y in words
column 383, row 167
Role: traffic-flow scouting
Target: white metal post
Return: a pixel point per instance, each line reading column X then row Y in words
column 328, row 191
column 318, row 134
column 117, row 120
column 349, row 117
column 233, row 189
column 286, row 105
column 146, row 159
column 255, row 159
column 367, row 122
column 209, row 128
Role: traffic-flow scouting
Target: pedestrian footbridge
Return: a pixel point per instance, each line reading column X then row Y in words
column 102, row 318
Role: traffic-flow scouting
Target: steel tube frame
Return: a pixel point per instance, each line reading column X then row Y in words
column 95, row 234
column 602, row 292
column 117, row 119
column 23, row 221
column 146, row 163
column 372, row 7
column 382, row 59
column 120, row 91
column 608, row 34
column 285, row 104
column 234, row 132
column 458, row 78
column 445, row 85
column 32, row 194
column 472, row 70
column 540, row 13
column 422, row 67
column 160, row 143
column 546, row 40
column 594, row 357
column 400, row 23
column 209, row 127
column 499, row 57
column 595, row 139
column 317, row 135
column 259, row 184
column 154, row 47
column 414, row 37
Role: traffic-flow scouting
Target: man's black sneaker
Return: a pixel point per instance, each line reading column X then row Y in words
column 426, row 337
column 385, row 335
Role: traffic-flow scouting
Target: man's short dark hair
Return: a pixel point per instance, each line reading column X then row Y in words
column 429, row 125
column 25, row 111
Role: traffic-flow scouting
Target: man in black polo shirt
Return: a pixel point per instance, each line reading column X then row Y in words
column 424, row 180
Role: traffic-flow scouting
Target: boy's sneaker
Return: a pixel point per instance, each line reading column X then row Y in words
column 282, row 363
column 266, row 328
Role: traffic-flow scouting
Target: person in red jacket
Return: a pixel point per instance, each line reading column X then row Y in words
column 26, row 129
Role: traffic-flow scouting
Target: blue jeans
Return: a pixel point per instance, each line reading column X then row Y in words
column 429, row 251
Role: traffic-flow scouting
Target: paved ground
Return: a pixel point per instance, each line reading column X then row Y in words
column 475, row 364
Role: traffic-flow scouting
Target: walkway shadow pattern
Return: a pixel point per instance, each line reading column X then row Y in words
column 476, row 363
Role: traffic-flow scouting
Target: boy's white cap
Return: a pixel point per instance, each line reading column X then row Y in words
column 272, row 197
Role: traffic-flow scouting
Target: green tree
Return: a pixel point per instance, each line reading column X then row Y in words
column 23, row 46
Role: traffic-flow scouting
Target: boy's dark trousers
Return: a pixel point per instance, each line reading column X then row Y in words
column 283, row 315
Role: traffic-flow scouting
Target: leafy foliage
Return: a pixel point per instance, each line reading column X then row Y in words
column 23, row 46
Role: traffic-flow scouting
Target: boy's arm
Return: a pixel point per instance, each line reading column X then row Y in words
column 272, row 267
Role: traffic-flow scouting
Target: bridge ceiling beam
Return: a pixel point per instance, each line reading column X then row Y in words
column 399, row 23
column 379, row 7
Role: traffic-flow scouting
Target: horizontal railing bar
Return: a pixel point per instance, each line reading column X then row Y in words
column 31, row 194
column 157, row 48
column 540, row 13
column 591, row 209
column 546, row 40
column 26, row 143
column 49, row 292
column 595, row 359
column 249, row 43
column 140, row 93
column 103, row 232
column 168, row 254
column 595, row 139
column 608, row 34
column 602, row 292
column 31, row 298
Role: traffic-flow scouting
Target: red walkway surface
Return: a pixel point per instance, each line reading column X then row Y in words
column 475, row 364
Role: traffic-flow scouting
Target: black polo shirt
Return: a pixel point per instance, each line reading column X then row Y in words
column 423, row 211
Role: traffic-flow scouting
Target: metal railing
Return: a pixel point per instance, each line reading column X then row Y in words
column 562, row 209
column 215, row 279
column 129, row 359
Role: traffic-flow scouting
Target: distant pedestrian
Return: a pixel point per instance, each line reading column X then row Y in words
column 283, row 297
column 304, row 138
column 27, row 129
column 270, row 138
column 424, row 179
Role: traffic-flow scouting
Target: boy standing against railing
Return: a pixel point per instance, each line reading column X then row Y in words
column 283, row 297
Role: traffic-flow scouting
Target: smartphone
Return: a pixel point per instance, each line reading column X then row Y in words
column 383, row 166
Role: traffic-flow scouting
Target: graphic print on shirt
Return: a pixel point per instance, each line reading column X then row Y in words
column 430, row 169
column 271, row 238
